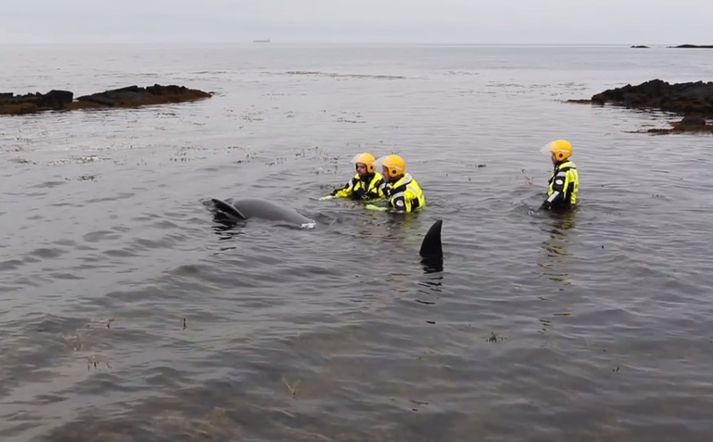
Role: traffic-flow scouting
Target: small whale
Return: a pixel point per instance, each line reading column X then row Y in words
column 227, row 212
column 230, row 213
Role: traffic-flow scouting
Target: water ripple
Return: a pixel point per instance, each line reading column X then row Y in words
column 129, row 314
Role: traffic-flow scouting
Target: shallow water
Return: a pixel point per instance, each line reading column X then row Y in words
column 127, row 314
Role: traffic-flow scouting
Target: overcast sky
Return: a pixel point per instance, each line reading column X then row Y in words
column 426, row 21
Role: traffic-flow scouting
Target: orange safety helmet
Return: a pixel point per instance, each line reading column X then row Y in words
column 365, row 158
column 394, row 164
column 560, row 149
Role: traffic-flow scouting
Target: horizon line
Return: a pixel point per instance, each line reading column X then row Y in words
column 268, row 41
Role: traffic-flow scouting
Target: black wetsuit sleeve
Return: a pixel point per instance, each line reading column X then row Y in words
column 558, row 194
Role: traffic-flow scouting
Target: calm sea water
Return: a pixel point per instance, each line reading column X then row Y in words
column 127, row 315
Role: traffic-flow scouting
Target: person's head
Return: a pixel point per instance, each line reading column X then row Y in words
column 393, row 167
column 559, row 150
column 364, row 163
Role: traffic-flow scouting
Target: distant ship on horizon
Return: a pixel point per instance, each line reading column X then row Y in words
column 264, row 40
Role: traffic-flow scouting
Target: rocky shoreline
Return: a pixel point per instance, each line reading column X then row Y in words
column 131, row 96
column 693, row 100
column 687, row 124
column 689, row 46
column 682, row 98
column 685, row 46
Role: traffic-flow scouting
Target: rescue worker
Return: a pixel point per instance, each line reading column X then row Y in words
column 365, row 185
column 402, row 191
column 563, row 185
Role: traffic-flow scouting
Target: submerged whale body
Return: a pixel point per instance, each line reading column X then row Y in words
column 244, row 209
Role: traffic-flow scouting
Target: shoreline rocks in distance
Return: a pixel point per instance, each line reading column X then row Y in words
column 693, row 100
column 132, row 96
column 682, row 98
column 689, row 123
column 689, row 46
column 11, row 104
column 684, row 46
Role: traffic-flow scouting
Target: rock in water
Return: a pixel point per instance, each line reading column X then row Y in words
column 132, row 96
column 684, row 98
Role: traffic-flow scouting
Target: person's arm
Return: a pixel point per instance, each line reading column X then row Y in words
column 378, row 191
column 383, row 205
column 558, row 191
column 344, row 192
column 401, row 203
column 376, row 208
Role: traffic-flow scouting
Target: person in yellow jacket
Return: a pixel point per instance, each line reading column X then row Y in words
column 367, row 184
column 402, row 191
column 563, row 185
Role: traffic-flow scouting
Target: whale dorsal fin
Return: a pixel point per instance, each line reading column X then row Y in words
column 431, row 246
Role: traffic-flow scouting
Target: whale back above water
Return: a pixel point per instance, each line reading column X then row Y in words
column 262, row 209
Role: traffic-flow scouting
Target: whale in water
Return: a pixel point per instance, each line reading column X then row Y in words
column 232, row 211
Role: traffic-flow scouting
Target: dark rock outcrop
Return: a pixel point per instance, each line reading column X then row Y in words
column 692, row 121
column 132, row 96
column 689, row 123
column 25, row 104
column 684, row 98
column 687, row 46
column 639, row 47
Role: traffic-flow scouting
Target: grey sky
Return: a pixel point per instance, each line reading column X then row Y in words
column 461, row 21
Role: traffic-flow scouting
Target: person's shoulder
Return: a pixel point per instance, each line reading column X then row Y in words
column 414, row 180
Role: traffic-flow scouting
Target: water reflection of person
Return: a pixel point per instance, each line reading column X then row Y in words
column 556, row 254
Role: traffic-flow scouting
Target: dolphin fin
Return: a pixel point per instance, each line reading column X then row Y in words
column 227, row 208
column 431, row 246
